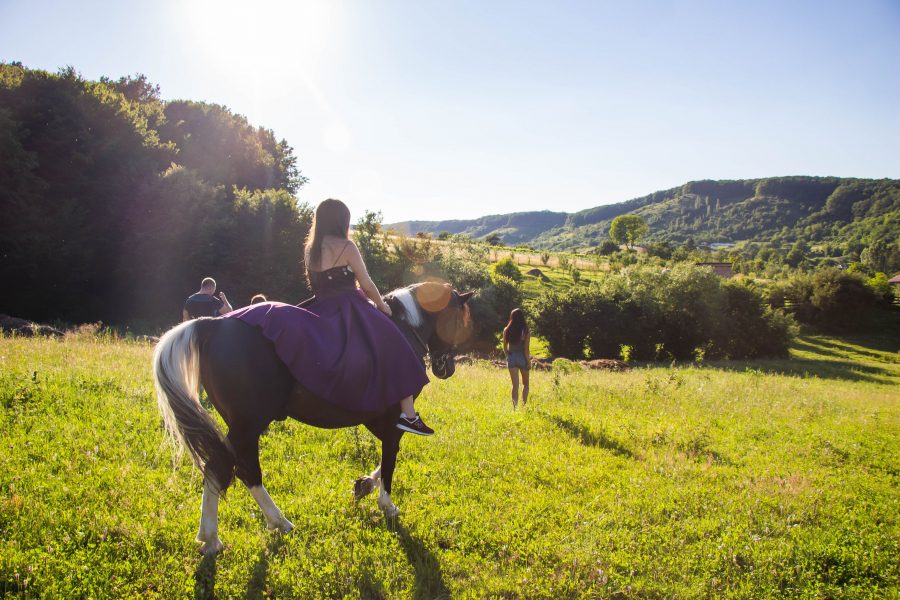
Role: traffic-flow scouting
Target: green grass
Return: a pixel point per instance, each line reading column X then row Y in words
column 557, row 279
column 757, row 479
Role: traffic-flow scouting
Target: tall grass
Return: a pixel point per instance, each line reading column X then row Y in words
column 754, row 479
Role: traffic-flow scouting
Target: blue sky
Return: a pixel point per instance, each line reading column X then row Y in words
column 435, row 109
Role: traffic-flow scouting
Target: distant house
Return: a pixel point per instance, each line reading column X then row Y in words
column 722, row 269
column 895, row 280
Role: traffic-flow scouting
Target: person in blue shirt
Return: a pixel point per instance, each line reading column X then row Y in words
column 204, row 303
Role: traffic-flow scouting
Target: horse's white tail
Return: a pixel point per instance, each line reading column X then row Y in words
column 176, row 371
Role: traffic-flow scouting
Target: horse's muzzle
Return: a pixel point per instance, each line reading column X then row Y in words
column 443, row 366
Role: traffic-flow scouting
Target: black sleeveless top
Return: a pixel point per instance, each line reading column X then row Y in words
column 333, row 280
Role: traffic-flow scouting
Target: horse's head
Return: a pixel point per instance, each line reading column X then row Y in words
column 437, row 320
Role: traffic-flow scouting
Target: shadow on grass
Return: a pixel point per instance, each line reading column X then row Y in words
column 256, row 586
column 843, row 348
column 812, row 347
column 429, row 579
column 806, row 367
column 205, row 578
column 827, row 358
column 589, row 437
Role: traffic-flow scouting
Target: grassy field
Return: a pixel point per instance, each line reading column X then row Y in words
column 556, row 279
column 762, row 479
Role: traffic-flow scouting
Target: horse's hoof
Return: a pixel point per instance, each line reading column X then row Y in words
column 282, row 526
column 388, row 508
column 211, row 548
column 363, row 486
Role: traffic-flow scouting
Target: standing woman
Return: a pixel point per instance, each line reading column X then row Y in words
column 516, row 339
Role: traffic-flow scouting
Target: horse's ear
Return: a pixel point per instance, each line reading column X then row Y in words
column 463, row 298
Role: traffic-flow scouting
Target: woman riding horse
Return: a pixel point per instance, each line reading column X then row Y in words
column 334, row 369
column 337, row 362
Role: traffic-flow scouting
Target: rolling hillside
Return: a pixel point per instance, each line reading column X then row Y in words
column 814, row 209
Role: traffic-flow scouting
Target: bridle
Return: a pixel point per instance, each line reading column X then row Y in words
column 413, row 334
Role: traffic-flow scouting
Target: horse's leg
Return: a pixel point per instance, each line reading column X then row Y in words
column 384, row 428
column 208, row 535
column 246, row 450
column 390, row 446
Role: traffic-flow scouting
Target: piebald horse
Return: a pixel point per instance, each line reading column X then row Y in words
column 250, row 387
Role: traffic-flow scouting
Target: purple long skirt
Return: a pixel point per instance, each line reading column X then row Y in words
column 342, row 349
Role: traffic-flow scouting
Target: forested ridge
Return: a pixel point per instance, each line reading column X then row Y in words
column 116, row 203
column 848, row 214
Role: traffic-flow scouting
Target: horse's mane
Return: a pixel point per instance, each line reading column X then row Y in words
column 409, row 302
column 406, row 300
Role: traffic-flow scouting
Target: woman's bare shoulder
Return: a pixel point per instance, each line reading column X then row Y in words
column 334, row 241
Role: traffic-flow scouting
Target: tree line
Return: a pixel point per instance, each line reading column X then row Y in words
column 116, row 203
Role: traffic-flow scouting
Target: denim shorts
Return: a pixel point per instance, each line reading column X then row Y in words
column 516, row 360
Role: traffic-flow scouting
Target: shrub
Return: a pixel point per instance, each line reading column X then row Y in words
column 749, row 328
column 660, row 314
column 490, row 310
column 558, row 318
column 881, row 287
column 830, row 299
column 607, row 247
column 507, row 268
column 463, row 265
column 841, row 299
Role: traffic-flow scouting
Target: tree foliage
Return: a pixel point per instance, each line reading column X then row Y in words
column 508, row 268
column 660, row 314
column 830, row 299
column 116, row 203
column 628, row 229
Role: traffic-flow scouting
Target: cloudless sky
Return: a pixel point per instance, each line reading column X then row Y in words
column 435, row 109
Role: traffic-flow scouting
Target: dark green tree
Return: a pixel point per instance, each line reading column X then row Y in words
column 494, row 239
column 628, row 229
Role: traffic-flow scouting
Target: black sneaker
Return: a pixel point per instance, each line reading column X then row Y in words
column 414, row 425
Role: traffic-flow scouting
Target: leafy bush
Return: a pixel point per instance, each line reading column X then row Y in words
column 660, row 314
column 507, row 268
column 749, row 328
column 607, row 247
column 490, row 310
column 830, row 298
column 463, row 265
column 881, row 287
column 558, row 318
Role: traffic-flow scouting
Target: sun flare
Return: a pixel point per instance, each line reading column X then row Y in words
column 262, row 38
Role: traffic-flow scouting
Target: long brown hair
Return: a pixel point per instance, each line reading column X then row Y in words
column 517, row 328
column 332, row 218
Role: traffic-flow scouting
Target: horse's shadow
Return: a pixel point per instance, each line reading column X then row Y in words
column 588, row 436
column 259, row 574
column 205, row 578
column 429, row 581
column 205, row 574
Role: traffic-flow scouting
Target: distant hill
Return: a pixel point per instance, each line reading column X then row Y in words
column 813, row 209
column 514, row 228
